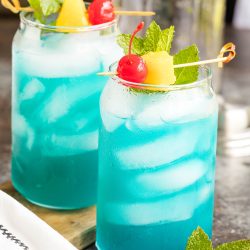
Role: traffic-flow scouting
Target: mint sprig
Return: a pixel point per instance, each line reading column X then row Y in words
column 187, row 74
column 236, row 245
column 35, row 4
column 154, row 40
column 199, row 240
column 152, row 37
column 50, row 7
column 137, row 48
column 166, row 39
column 45, row 8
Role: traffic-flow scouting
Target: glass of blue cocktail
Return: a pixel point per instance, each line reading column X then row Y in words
column 157, row 146
column 55, row 110
column 157, row 163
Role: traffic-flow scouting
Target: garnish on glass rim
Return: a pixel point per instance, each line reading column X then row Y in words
column 101, row 10
column 132, row 67
column 221, row 60
column 159, row 66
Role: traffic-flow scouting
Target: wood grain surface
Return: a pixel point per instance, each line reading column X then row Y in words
column 78, row 226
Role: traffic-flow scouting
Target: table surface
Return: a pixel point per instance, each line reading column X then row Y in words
column 232, row 202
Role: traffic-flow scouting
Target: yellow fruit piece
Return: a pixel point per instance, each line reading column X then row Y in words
column 73, row 14
column 160, row 68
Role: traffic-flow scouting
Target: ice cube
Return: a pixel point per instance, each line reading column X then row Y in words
column 111, row 122
column 158, row 152
column 178, row 208
column 51, row 65
column 69, row 58
column 187, row 105
column 79, row 120
column 169, row 179
column 110, row 51
column 76, row 40
column 145, row 111
column 148, row 117
column 32, row 88
column 119, row 101
column 65, row 145
column 175, row 106
column 19, row 124
column 21, row 128
column 28, row 39
column 205, row 193
column 65, row 97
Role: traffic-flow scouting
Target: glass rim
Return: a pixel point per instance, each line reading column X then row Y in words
column 65, row 29
column 161, row 87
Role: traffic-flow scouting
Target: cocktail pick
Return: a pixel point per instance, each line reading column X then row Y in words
column 15, row 6
column 134, row 13
column 227, row 54
column 229, row 49
column 103, row 11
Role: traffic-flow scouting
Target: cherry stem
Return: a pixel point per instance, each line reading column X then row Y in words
column 138, row 28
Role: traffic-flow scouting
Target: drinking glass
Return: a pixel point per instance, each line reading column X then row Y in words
column 156, row 163
column 55, row 110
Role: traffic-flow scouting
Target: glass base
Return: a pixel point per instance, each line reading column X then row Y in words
column 64, row 184
column 54, row 207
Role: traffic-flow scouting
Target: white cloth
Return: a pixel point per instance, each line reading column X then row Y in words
column 242, row 14
column 20, row 229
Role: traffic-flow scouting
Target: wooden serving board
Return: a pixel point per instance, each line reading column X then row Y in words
column 78, row 226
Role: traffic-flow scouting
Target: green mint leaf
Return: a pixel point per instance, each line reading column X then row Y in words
column 199, row 241
column 155, row 40
column 50, row 6
column 166, row 39
column 187, row 74
column 45, row 8
column 137, row 46
column 35, row 4
column 236, row 245
column 152, row 37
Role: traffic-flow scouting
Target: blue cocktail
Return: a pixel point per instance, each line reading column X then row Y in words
column 55, row 111
column 157, row 164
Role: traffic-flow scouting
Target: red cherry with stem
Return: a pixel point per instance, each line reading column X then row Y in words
column 101, row 11
column 132, row 67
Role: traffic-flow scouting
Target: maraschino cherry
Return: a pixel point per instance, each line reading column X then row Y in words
column 132, row 67
column 101, row 11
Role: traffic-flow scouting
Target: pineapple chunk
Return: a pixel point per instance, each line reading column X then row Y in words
column 160, row 68
column 73, row 14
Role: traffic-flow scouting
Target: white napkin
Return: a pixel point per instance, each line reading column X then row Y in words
column 20, row 229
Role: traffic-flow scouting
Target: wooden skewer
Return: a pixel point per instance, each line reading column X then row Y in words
column 134, row 13
column 107, row 73
column 15, row 7
column 216, row 60
column 221, row 59
column 177, row 66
